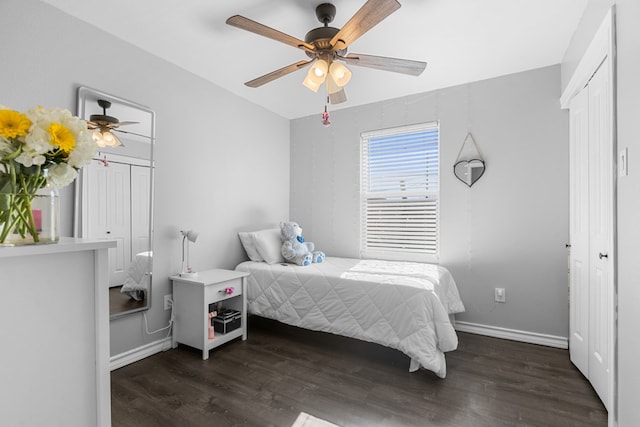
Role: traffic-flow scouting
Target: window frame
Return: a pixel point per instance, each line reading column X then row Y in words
column 430, row 192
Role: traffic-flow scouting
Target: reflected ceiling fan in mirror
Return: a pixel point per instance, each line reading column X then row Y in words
column 327, row 48
column 103, row 125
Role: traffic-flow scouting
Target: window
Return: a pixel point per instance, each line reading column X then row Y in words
column 399, row 193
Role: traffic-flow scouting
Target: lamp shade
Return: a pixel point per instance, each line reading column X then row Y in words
column 311, row 82
column 340, row 73
column 105, row 138
column 316, row 75
column 190, row 235
column 319, row 69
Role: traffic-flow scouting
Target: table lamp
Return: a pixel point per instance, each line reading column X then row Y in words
column 187, row 236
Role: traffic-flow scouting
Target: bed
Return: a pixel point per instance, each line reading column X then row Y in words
column 136, row 284
column 403, row 305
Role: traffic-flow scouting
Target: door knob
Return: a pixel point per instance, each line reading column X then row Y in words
column 601, row 255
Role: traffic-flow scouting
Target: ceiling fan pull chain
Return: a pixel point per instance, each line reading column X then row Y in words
column 325, row 115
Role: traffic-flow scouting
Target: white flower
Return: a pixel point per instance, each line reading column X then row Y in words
column 56, row 140
column 27, row 160
column 61, row 175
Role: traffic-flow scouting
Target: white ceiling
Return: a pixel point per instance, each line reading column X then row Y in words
column 461, row 41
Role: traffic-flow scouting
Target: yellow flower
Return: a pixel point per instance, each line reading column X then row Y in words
column 13, row 124
column 61, row 137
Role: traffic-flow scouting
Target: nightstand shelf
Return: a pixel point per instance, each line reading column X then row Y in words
column 191, row 299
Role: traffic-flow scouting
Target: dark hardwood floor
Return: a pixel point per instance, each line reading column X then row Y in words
column 119, row 302
column 280, row 371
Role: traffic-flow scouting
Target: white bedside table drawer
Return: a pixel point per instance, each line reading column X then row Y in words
column 223, row 291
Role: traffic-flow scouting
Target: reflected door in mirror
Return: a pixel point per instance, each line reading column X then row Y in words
column 118, row 207
column 109, row 201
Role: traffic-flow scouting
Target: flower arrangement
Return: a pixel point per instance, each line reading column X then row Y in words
column 37, row 147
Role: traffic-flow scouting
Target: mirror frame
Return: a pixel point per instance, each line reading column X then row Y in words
column 85, row 95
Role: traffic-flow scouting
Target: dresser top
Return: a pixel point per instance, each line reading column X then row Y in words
column 209, row 277
column 66, row 244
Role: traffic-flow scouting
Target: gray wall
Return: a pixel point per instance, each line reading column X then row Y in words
column 509, row 230
column 628, row 191
column 222, row 163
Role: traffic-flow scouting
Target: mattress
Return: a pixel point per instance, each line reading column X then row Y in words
column 402, row 305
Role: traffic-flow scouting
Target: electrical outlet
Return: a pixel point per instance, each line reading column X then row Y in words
column 167, row 301
column 500, row 295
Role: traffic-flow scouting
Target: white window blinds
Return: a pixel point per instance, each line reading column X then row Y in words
column 399, row 193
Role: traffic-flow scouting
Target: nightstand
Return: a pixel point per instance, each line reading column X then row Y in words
column 192, row 298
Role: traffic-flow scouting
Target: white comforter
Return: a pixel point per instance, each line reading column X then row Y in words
column 402, row 305
column 137, row 281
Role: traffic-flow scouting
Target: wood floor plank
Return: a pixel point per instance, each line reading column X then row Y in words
column 281, row 371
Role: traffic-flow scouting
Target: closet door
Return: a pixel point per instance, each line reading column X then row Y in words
column 591, row 232
column 601, row 231
column 109, row 217
column 579, row 231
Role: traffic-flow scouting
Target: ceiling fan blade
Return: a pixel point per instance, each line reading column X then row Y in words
column 278, row 73
column 260, row 29
column 404, row 66
column 369, row 15
column 127, row 123
column 338, row 97
column 130, row 133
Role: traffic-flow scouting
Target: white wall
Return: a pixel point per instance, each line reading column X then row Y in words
column 508, row 230
column 628, row 233
column 222, row 163
column 628, row 94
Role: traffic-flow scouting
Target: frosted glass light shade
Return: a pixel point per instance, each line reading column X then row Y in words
column 340, row 73
column 332, row 87
column 312, row 81
column 319, row 69
column 104, row 138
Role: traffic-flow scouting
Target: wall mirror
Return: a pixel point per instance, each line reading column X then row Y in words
column 114, row 195
column 469, row 165
column 469, row 171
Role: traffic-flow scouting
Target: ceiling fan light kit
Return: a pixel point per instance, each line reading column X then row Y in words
column 103, row 125
column 104, row 138
column 340, row 73
column 328, row 45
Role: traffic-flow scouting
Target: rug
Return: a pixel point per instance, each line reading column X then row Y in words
column 306, row 420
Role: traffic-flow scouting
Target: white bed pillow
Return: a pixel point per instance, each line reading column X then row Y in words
column 249, row 243
column 269, row 244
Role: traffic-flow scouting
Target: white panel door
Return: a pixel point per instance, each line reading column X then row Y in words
column 108, row 214
column 579, row 231
column 601, row 232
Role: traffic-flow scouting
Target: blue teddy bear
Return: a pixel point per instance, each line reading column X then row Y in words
column 294, row 249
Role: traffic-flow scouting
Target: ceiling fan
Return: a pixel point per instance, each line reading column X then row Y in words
column 104, row 125
column 327, row 45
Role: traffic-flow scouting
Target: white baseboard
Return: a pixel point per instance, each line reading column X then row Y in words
column 131, row 356
column 512, row 334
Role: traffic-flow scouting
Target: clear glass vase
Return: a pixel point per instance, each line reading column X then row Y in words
column 31, row 218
